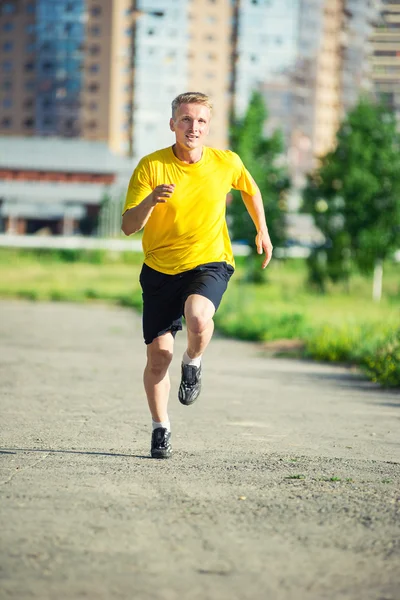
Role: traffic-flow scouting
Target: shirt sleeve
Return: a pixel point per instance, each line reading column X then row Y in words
column 139, row 186
column 242, row 180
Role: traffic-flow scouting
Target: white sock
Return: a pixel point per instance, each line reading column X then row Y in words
column 165, row 424
column 196, row 362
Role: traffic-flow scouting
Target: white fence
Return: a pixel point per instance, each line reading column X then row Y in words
column 77, row 242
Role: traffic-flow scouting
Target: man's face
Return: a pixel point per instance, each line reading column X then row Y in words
column 191, row 125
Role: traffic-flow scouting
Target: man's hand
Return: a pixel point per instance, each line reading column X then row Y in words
column 263, row 244
column 161, row 193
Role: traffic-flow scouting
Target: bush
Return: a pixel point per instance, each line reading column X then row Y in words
column 383, row 366
column 253, row 326
column 351, row 342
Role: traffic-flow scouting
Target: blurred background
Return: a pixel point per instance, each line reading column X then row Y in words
column 306, row 91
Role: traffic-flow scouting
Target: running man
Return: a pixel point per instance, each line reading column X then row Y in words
column 178, row 196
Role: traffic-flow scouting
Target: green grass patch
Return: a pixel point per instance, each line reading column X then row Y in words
column 344, row 325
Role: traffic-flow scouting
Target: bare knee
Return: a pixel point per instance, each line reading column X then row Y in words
column 197, row 324
column 158, row 361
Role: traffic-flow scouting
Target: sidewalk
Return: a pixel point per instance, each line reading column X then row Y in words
column 284, row 481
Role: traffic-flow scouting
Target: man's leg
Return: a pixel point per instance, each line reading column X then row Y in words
column 156, row 376
column 199, row 312
column 157, row 386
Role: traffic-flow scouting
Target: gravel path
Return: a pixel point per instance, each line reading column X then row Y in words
column 284, row 482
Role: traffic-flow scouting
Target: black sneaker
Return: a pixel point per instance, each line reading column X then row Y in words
column 160, row 443
column 190, row 387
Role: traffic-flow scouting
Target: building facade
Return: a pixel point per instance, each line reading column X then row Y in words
column 266, row 47
column 108, row 70
column 385, row 56
column 332, row 70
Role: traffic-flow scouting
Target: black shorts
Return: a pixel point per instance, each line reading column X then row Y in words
column 164, row 296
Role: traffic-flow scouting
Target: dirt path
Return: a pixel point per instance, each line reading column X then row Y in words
column 284, row 483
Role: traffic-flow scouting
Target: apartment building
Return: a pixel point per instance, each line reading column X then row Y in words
column 332, row 71
column 108, row 70
column 209, row 49
column 61, row 72
column 385, row 58
column 266, row 46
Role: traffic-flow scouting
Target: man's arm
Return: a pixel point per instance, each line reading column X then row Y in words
column 255, row 208
column 136, row 218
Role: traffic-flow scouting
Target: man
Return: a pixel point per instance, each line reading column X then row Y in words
column 178, row 195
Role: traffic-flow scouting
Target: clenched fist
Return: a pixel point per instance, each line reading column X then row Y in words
column 162, row 192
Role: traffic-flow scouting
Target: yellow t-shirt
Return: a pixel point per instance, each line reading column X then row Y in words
column 190, row 228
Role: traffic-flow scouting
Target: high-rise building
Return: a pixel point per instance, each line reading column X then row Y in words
column 108, row 70
column 160, row 70
column 332, row 71
column 385, row 58
column 64, row 69
column 209, row 50
column 266, row 45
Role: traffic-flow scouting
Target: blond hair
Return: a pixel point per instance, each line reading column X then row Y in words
column 190, row 98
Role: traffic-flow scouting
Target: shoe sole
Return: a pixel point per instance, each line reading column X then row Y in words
column 161, row 453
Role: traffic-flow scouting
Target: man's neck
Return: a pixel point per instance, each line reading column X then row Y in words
column 188, row 156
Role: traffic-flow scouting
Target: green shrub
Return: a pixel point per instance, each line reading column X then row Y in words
column 383, row 366
column 350, row 342
column 260, row 326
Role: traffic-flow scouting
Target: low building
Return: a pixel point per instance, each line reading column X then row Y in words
column 58, row 186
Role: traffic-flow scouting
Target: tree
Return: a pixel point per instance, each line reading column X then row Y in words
column 262, row 157
column 354, row 196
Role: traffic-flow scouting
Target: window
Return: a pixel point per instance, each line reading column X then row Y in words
column 93, row 87
column 48, row 66
column 92, row 124
column 8, row 8
column 29, row 48
column 29, row 85
column 7, row 46
column 30, row 8
column 94, row 68
column 95, row 11
column 7, row 66
column 30, row 28
column 47, row 121
column 28, row 103
column 94, row 50
column 95, row 30
column 28, row 123
column 8, row 26
column 7, row 103
column 6, row 85
column 6, row 122
column 92, row 106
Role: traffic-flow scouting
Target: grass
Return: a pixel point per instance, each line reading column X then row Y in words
column 344, row 325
